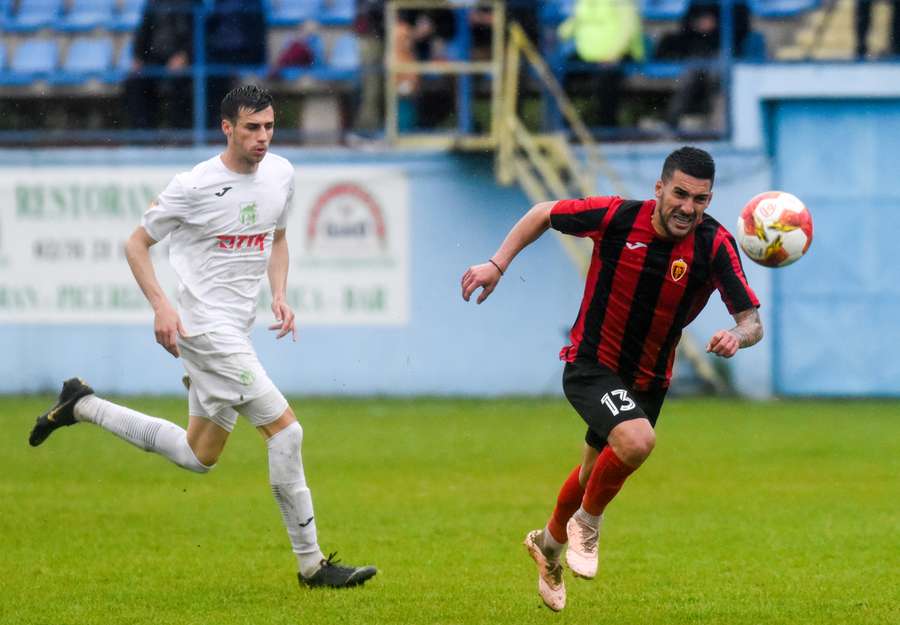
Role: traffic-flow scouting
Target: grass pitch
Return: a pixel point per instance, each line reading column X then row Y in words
column 783, row 512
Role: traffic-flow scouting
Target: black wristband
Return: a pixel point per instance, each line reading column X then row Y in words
column 491, row 261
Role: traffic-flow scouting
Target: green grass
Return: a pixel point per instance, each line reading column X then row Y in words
column 783, row 512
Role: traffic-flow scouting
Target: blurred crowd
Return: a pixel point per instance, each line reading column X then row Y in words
column 595, row 48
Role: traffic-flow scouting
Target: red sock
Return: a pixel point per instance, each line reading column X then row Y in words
column 566, row 504
column 606, row 479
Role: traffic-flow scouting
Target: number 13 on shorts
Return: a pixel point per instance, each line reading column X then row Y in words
column 617, row 401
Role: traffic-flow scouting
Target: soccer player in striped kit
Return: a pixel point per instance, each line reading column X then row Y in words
column 226, row 221
column 654, row 266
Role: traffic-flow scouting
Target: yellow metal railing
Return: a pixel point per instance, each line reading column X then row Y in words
column 519, row 48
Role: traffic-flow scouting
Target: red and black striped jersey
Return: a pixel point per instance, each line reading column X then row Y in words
column 641, row 289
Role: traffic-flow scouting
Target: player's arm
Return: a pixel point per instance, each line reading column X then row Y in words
column 528, row 229
column 166, row 323
column 747, row 332
column 278, row 272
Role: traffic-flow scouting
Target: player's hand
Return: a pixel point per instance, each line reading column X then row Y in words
column 284, row 320
column 167, row 326
column 486, row 275
column 724, row 344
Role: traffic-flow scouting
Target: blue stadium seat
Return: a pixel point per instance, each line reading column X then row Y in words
column 754, row 47
column 555, row 11
column 33, row 59
column 292, row 12
column 128, row 16
column 2, row 56
column 87, row 15
column 664, row 9
column 33, row 15
column 87, row 58
column 125, row 56
column 781, row 8
column 345, row 53
column 337, row 12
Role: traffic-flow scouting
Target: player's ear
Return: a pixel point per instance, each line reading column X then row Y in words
column 658, row 189
column 226, row 127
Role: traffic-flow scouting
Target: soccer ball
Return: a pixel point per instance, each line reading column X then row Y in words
column 775, row 229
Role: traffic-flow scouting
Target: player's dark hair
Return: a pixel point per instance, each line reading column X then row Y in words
column 692, row 161
column 250, row 97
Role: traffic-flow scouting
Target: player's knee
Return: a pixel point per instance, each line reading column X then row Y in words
column 291, row 437
column 284, row 455
column 634, row 443
column 198, row 462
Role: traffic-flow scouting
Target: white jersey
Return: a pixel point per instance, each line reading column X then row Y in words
column 222, row 224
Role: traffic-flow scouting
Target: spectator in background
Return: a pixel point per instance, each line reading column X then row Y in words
column 407, row 83
column 604, row 32
column 863, row 21
column 235, row 35
column 430, row 33
column 164, row 37
column 369, row 27
column 700, row 39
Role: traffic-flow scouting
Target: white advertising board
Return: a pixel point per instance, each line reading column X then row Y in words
column 62, row 234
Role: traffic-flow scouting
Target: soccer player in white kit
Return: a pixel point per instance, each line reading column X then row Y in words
column 226, row 221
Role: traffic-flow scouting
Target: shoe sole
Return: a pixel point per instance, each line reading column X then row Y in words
column 357, row 579
column 578, row 574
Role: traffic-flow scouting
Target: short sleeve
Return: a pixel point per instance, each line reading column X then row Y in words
column 167, row 211
column 728, row 275
column 587, row 217
column 288, row 207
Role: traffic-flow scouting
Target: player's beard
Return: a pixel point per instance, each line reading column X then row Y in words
column 681, row 229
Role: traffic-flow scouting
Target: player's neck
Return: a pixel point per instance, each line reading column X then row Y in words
column 238, row 165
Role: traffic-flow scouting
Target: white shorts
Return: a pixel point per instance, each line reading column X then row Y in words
column 227, row 379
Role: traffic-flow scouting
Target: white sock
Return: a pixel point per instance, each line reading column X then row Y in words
column 549, row 546
column 588, row 519
column 148, row 433
column 293, row 497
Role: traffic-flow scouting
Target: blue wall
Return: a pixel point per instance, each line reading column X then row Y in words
column 837, row 330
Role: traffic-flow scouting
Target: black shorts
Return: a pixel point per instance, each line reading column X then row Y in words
column 604, row 401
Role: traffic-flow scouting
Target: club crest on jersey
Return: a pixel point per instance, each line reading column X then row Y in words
column 678, row 269
column 247, row 216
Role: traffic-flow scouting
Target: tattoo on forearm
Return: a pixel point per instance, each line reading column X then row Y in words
column 748, row 329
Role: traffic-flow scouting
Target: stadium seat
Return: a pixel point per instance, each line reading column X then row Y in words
column 345, row 53
column 87, row 58
column 292, row 12
column 781, row 8
column 128, row 16
column 337, row 12
column 33, row 59
column 553, row 12
column 754, row 47
column 124, row 58
column 664, row 9
column 87, row 15
column 33, row 15
column 2, row 56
